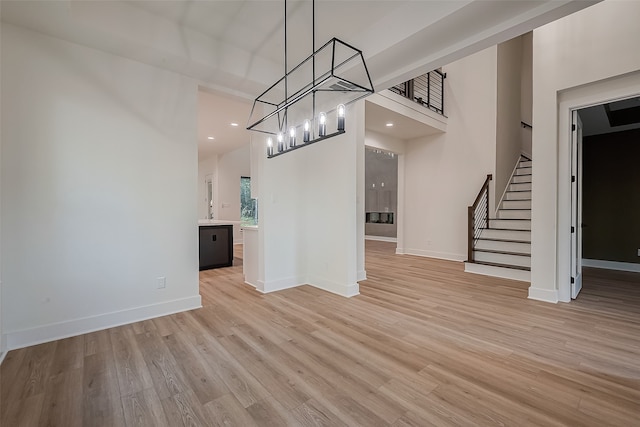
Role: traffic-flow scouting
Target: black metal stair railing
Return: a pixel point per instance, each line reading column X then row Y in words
column 426, row 90
column 478, row 218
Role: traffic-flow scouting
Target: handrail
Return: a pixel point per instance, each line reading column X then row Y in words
column 478, row 215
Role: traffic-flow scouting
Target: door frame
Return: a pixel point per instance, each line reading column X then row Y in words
column 596, row 93
column 576, row 203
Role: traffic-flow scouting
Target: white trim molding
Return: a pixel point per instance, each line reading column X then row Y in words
column 611, row 265
column 343, row 289
column 70, row 328
column 546, row 295
column 381, row 238
column 431, row 254
column 279, row 284
column 362, row 275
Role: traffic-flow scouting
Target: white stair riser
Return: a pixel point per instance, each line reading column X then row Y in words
column 520, row 187
column 523, row 171
column 510, row 225
column 516, row 204
column 525, row 164
column 489, row 233
column 521, row 261
column 514, row 214
column 520, row 178
column 517, row 195
column 497, row 245
column 490, row 270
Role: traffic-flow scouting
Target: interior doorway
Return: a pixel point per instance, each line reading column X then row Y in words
column 381, row 195
column 604, row 179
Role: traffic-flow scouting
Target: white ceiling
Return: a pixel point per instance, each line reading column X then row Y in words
column 216, row 112
column 377, row 117
column 236, row 46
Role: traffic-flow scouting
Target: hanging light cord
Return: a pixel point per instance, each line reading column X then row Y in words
column 313, row 60
column 286, row 70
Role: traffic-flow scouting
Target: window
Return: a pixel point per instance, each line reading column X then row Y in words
column 248, row 206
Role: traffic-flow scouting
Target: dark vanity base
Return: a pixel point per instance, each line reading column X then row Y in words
column 216, row 246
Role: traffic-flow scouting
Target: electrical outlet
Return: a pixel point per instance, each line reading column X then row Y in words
column 162, row 282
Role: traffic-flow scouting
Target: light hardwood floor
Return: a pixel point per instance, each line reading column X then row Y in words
column 424, row 344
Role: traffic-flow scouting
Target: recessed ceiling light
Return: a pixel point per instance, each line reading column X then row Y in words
column 389, row 125
column 234, row 125
column 210, row 137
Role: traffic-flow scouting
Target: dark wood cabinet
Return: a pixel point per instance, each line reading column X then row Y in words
column 216, row 246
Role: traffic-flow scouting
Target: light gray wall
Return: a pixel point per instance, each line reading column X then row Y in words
column 575, row 58
column 231, row 166
column 99, row 169
column 508, row 128
column 526, row 92
column 207, row 167
column 311, row 225
column 444, row 172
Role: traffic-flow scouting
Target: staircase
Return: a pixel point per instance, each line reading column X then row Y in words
column 504, row 248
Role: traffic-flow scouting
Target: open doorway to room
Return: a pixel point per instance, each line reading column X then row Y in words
column 605, row 182
column 224, row 183
column 381, row 195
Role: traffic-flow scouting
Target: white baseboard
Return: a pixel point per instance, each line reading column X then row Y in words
column 362, row 275
column 279, row 284
column 382, row 238
column 70, row 328
column 342, row 289
column 345, row 290
column 546, row 295
column 2, row 356
column 611, row 265
column 431, row 254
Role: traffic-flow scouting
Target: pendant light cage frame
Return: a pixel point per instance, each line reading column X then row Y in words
column 334, row 74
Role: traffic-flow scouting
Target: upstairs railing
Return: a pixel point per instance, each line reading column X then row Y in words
column 426, row 90
column 478, row 217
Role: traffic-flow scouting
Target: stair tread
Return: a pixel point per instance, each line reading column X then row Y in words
column 493, row 251
column 519, row 191
column 506, row 229
column 495, row 264
column 493, row 239
column 514, row 209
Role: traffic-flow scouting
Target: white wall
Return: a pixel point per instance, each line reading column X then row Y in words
column 444, row 172
column 2, row 336
column 526, row 91
column 592, row 45
column 384, row 142
column 231, row 166
column 508, row 133
column 207, row 167
column 99, row 169
column 282, row 213
column 311, row 213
